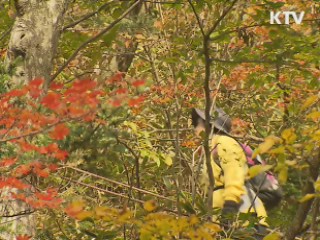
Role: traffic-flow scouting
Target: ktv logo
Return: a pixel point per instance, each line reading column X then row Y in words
column 297, row 18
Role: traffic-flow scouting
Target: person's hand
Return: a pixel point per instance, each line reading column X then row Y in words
column 229, row 213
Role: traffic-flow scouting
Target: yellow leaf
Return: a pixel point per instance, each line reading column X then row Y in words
column 310, row 101
column 317, row 185
column 288, row 135
column 278, row 150
column 315, row 116
column 168, row 158
column 307, row 197
column 257, row 169
column 283, row 175
column 273, row 236
column 149, row 205
column 84, row 214
column 291, row 163
column 266, row 145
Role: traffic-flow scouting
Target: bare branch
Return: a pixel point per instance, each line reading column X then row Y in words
column 223, row 15
column 197, row 17
column 95, row 38
column 87, row 16
column 119, row 183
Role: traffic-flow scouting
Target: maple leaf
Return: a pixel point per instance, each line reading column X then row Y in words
column 81, row 86
column 19, row 196
column 60, row 132
column 116, row 102
column 61, row 155
column 22, row 170
column 7, row 162
column 75, row 208
column 37, row 82
column 23, row 237
column 41, row 172
column 136, row 101
column 138, row 83
column 53, row 167
column 16, row 183
column 34, row 87
column 56, row 86
column 121, row 91
column 53, row 147
column 51, row 101
column 17, row 93
column 115, row 78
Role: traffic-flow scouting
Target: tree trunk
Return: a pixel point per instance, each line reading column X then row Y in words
column 304, row 208
column 31, row 50
column 34, row 38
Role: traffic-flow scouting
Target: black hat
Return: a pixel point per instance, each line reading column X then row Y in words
column 221, row 122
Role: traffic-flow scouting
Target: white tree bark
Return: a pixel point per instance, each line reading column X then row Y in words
column 32, row 46
column 34, row 38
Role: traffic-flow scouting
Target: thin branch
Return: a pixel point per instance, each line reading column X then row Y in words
column 106, row 191
column 22, row 213
column 87, row 16
column 43, row 129
column 95, row 38
column 197, row 17
column 265, row 24
column 6, row 33
column 120, row 184
column 223, row 15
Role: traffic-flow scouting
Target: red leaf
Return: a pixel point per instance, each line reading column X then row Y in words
column 81, row 86
column 53, row 147
column 136, row 101
column 44, row 196
column 7, row 162
column 14, row 182
column 60, row 132
column 19, row 196
column 122, row 91
column 61, row 155
column 115, row 78
column 37, row 82
column 23, row 237
column 53, row 167
column 17, row 93
column 51, row 101
column 116, row 102
column 56, row 86
column 27, row 147
column 138, row 83
column 34, row 87
column 22, row 170
column 41, row 172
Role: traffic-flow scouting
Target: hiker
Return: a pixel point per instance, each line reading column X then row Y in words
column 231, row 192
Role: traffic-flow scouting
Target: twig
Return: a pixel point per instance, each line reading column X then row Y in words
column 85, row 17
column 107, row 191
column 197, row 17
column 120, row 184
column 5, row 33
column 223, row 15
column 18, row 214
column 93, row 39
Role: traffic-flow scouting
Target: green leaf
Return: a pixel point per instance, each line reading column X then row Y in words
column 111, row 35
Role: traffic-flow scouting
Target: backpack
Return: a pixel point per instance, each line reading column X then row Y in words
column 265, row 184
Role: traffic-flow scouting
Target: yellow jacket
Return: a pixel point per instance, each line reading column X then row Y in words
column 230, row 170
